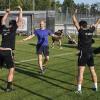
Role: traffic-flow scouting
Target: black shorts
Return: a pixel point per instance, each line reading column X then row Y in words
column 6, row 58
column 86, row 58
column 42, row 50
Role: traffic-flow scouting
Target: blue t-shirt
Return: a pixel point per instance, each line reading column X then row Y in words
column 42, row 36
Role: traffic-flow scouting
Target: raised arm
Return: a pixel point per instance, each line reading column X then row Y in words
column 20, row 16
column 5, row 17
column 75, row 21
column 97, row 22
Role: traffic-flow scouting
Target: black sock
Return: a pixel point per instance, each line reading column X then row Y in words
column 9, row 85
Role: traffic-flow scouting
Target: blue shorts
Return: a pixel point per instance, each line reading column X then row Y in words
column 42, row 50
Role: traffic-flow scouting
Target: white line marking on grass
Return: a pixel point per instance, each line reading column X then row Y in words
column 37, row 59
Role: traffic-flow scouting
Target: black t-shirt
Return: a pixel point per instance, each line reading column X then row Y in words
column 85, row 38
column 8, row 36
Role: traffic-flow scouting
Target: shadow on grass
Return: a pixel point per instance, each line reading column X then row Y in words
column 31, row 72
column 51, row 69
column 25, row 89
column 27, row 67
column 43, row 78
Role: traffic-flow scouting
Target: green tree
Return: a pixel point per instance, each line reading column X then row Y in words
column 25, row 4
column 68, row 4
column 3, row 4
column 28, row 4
column 83, row 8
column 58, row 5
column 42, row 4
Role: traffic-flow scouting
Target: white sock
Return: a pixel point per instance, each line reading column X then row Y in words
column 95, row 85
column 79, row 87
column 41, row 67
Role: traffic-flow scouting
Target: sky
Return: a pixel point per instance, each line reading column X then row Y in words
column 84, row 1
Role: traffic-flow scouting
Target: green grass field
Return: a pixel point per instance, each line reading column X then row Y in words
column 59, row 81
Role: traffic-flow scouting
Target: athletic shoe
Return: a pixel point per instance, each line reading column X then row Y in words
column 95, row 89
column 44, row 68
column 41, row 72
column 78, row 92
column 9, row 89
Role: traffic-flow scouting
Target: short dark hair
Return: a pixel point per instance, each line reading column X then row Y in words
column 13, row 22
column 83, row 23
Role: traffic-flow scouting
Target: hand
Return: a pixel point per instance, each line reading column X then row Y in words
column 19, row 7
column 8, row 10
column 76, row 11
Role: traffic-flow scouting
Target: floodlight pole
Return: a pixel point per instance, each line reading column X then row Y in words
column 33, row 5
column 32, row 17
column 9, row 3
column 55, row 6
column 89, row 9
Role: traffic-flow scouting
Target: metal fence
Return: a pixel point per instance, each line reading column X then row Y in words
column 64, row 20
column 48, row 16
column 54, row 20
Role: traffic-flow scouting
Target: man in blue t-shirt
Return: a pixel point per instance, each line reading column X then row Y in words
column 42, row 46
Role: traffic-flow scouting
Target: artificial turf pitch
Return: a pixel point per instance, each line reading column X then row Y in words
column 59, row 80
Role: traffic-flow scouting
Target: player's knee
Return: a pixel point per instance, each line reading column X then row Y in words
column 11, row 71
column 47, row 58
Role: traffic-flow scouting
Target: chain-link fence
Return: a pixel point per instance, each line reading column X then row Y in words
column 56, row 20
column 48, row 16
column 64, row 20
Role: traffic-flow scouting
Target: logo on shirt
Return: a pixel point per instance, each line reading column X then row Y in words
column 88, row 34
column 5, row 32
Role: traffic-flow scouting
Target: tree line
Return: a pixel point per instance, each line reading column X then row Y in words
column 28, row 5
